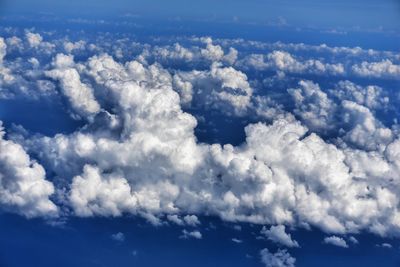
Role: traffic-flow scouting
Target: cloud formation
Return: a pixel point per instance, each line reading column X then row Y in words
column 23, row 188
column 279, row 259
column 313, row 155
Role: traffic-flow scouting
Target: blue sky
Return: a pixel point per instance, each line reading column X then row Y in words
column 208, row 133
column 317, row 13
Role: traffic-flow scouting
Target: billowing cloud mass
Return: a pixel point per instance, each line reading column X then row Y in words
column 23, row 185
column 314, row 153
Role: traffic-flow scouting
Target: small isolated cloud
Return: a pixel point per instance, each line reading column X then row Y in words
column 336, row 241
column 237, row 227
column 278, row 235
column 353, row 240
column 120, row 237
column 190, row 234
column 279, row 259
column 384, row 245
column 236, row 240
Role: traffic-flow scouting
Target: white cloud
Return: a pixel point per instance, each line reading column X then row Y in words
column 353, row 240
column 284, row 61
column 278, row 235
column 281, row 258
column 385, row 245
column 382, row 69
column 191, row 234
column 336, row 241
column 369, row 96
column 23, row 187
column 313, row 106
column 221, row 87
column 191, row 220
column 79, row 94
column 34, row 39
column 142, row 157
column 120, row 237
column 3, row 50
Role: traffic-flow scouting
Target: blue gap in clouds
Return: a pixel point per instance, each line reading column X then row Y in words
column 47, row 117
column 87, row 242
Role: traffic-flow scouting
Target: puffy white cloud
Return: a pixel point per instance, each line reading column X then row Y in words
column 313, row 106
column 3, row 50
column 336, row 241
column 370, row 96
column 212, row 52
column 190, row 220
column 120, row 237
column 193, row 234
column 278, row 235
column 79, row 94
column 138, row 152
column 382, row 69
column 92, row 194
column 281, row 258
column 367, row 133
column 222, row 87
column 284, row 61
column 70, row 46
column 23, row 187
column 34, row 39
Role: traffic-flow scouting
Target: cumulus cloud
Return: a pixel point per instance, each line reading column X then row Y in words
column 313, row 105
column 3, row 50
column 370, row 96
column 79, row 94
column 284, row 61
column 193, row 234
column 24, row 188
column 278, row 235
column 221, row 87
column 281, row 258
column 336, row 241
column 120, row 237
column 382, row 69
column 138, row 153
column 145, row 160
column 34, row 39
column 189, row 220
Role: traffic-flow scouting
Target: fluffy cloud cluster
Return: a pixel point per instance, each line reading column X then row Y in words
column 141, row 156
column 278, row 235
column 279, row 259
column 23, row 187
column 327, row 161
column 283, row 61
column 382, row 69
column 79, row 94
column 220, row 88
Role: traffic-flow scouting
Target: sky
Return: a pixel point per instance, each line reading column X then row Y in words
column 317, row 13
column 208, row 133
